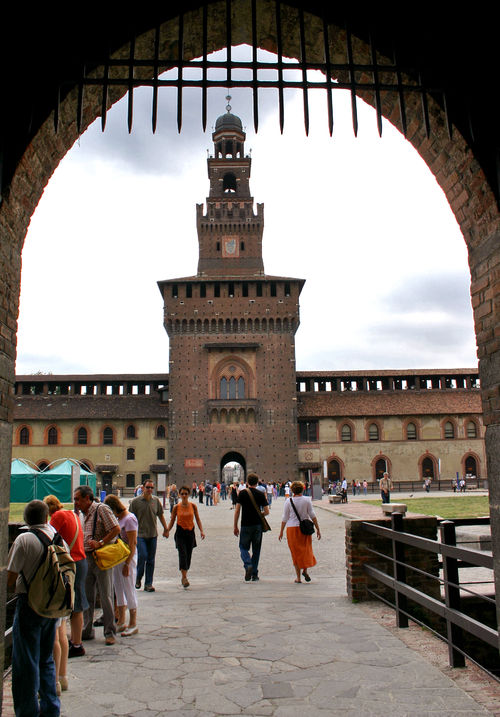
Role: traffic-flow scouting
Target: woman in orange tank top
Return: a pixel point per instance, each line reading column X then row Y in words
column 185, row 513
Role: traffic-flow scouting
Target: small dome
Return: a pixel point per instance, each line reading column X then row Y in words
column 228, row 122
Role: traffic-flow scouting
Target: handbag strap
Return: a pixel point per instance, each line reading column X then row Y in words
column 254, row 503
column 77, row 531
column 296, row 511
column 95, row 520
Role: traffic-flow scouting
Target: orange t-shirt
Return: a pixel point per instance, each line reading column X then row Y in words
column 64, row 521
column 185, row 516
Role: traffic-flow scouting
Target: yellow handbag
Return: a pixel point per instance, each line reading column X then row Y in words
column 111, row 554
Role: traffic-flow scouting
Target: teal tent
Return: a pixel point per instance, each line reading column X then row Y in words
column 28, row 483
column 23, row 479
column 56, row 481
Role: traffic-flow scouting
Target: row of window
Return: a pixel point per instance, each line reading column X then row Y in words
column 427, row 467
column 257, row 289
column 160, row 454
column 309, row 431
column 107, row 438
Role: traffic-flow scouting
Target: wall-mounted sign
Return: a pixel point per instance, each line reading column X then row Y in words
column 194, row 463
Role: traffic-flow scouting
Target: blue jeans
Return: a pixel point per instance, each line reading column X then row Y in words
column 251, row 536
column 146, row 553
column 386, row 497
column 209, row 500
column 33, row 669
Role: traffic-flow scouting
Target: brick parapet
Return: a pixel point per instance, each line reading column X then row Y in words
column 359, row 543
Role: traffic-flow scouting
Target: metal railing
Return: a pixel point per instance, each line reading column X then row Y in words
column 445, row 617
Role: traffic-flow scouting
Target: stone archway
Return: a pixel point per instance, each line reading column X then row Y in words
column 233, row 457
column 452, row 161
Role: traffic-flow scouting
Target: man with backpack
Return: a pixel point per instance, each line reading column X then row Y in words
column 33, row 669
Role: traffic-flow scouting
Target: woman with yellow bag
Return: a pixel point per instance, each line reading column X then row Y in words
column 124, row 575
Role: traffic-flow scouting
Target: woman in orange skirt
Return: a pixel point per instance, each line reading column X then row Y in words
column 300, row 545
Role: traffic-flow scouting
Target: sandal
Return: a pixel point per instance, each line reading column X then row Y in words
column 307, row 577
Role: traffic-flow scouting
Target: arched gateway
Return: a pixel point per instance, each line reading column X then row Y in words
column 377, row 56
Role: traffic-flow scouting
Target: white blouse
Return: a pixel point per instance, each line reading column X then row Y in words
column 304, row 508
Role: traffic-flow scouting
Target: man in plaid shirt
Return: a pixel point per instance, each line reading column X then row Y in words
column 99, row 528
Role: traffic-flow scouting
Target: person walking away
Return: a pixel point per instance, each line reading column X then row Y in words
column 100, row 527
column 300, row 545
column 208, row 493
column 185, row 513
column 385, row 488
column 148, row 509
column 251, row 525
column 33, row 669
column 269, row 494
column 124, row 574
column 223, row 490
column 201, row 490
column 365, row 487
column 234, row 496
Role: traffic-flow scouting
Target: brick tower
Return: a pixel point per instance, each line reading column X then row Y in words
column 231, row 329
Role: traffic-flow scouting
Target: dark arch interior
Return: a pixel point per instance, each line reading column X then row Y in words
column 233, row 457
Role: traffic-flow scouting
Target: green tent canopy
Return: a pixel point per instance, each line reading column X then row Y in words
column 22, row 481
column 27, row 483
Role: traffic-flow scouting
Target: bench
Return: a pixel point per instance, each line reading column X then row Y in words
column 335, row 499
column 390, row 508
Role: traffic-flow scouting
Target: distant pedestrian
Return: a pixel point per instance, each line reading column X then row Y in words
column 185, row 513
column 354, row 488
column 208, row 493
column 269, row 494
column 173, row 496
column 365, row 487
column 385, row 488
column 201, row 491
column 234, row 495
column 343, row 491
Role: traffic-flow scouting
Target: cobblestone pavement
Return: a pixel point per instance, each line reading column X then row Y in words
column 227, row 647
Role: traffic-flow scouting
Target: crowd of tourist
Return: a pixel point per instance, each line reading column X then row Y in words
column 92, row 534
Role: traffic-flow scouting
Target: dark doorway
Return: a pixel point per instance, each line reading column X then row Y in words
column 233, row 468
column 107, row 482
column 380, row 468
column 427, row 468
column 471, row 465
column 334, row 471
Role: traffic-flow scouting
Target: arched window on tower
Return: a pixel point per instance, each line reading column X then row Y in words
column 229, row 183
column 411, row 432
column 82, row 436
column 471, row 430
column 449, row 430
column 232, row 388
column 52, row 436
column 373, row 433
column 24, row 436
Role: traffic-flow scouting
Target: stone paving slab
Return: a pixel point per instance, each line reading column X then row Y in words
column 226, row 647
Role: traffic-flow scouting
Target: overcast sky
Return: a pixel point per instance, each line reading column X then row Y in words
column 363, row 221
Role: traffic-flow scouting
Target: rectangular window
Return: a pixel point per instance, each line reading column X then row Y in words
column 273, row 288
column 244, row 289
column 175, row 291
column 217, row 290
column 189, row 291
column 231, row 288
column 130, row 480
column 259, row 288
column 308, row 431
column 203, row 291
column 287, row 288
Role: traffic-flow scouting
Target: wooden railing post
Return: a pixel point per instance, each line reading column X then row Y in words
column 452, row 595
column 398, row 553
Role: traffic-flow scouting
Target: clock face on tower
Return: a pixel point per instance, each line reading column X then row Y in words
column 230, row 247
